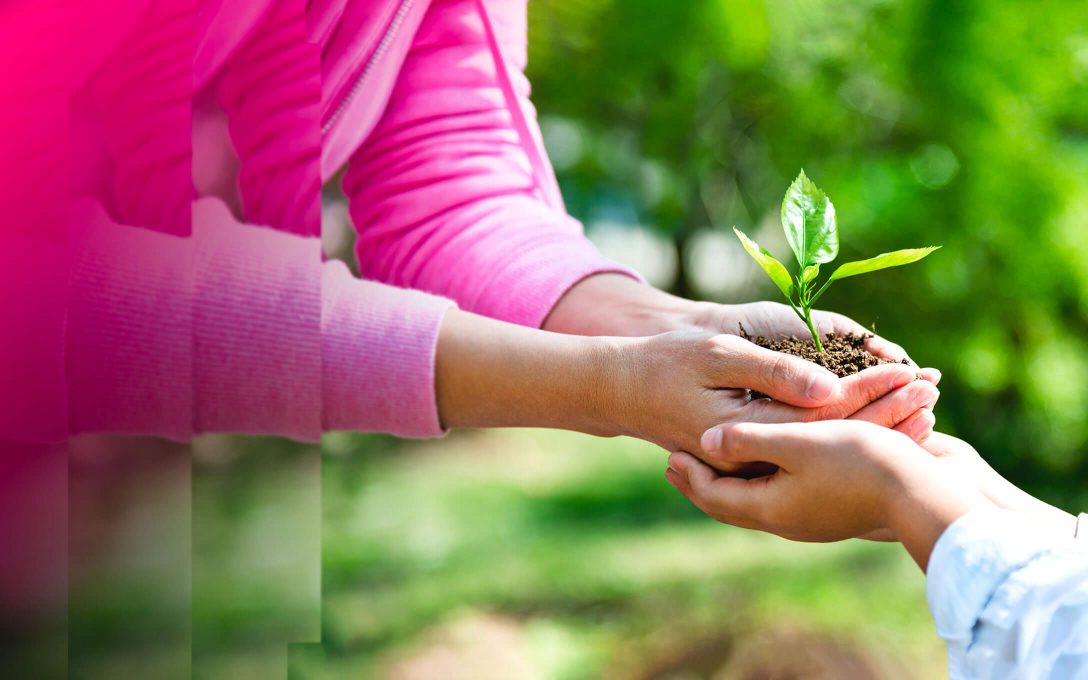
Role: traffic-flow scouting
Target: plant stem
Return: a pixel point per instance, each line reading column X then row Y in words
column 812, row 329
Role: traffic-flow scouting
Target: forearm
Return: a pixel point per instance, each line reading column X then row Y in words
column 614, row 304
column 495, row 374
column 1044, row 516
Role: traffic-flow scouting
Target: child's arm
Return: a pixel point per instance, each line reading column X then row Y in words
column 1010, row 600
column 1007, row 592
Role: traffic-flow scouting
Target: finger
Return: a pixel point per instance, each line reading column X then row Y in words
column 931, row 405
column 673, row 477
column 918, row 426
column 856, row 392
column 940, row 445
column 741, row 443
column 680, row 481
column 899, row 405
column 930, row 374
column 697, row 474
column 786, row 378
column 732, row 500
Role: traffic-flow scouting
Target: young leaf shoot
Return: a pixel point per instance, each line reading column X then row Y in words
column 808, row 218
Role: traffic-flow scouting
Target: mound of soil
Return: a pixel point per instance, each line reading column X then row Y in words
column 843, row 355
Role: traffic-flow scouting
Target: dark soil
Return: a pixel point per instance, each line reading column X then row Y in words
column 843, row 355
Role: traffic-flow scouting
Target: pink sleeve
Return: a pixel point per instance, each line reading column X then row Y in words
column 240, row 329
column 271, row 91
column 443, row 194
column 378, row 344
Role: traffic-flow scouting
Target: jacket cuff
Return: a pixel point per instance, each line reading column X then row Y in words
column 378, row 346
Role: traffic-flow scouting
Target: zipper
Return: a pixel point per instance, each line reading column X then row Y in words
column 379, row 51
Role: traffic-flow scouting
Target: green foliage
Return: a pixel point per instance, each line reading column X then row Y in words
column 808, row 218
column 881, row 261
column 775, row 269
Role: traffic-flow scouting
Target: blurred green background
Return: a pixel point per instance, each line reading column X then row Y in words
column 532, row 554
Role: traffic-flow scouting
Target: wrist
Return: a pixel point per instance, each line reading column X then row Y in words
column 607, row 384
column 925, row 503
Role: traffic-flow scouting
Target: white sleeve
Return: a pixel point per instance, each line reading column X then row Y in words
column 1009, row 601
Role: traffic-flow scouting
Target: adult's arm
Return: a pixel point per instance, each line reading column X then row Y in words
column 446, row 198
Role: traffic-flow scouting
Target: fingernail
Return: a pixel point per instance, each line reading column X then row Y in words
column 821, row 386
column 924, row 398
column 922, row 425
column 901, row 380
column 712, row 439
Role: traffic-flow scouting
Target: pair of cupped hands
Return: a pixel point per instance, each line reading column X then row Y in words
column 824, row 459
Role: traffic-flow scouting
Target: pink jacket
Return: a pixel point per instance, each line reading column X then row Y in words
column 201, row 322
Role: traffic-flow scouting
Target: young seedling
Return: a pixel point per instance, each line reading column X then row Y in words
column 808, row 218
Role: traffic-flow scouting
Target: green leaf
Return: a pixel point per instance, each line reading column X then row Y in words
column 808, row 218
column 810, row 273
column 773, row 267
column 882, row 261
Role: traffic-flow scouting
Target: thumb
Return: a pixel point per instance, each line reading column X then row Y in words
column 784, row 377
column 856, row 392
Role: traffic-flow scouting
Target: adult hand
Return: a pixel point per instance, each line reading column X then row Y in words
column 667, row 389
column 617, row 305
column 775, row 320
column 833, row 480
column 677, row 385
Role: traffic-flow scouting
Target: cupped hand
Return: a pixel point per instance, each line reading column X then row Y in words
column 680, row 384
column 833, row 480
column 775, row 320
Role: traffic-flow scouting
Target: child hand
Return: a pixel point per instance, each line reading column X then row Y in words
column 834, row 480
